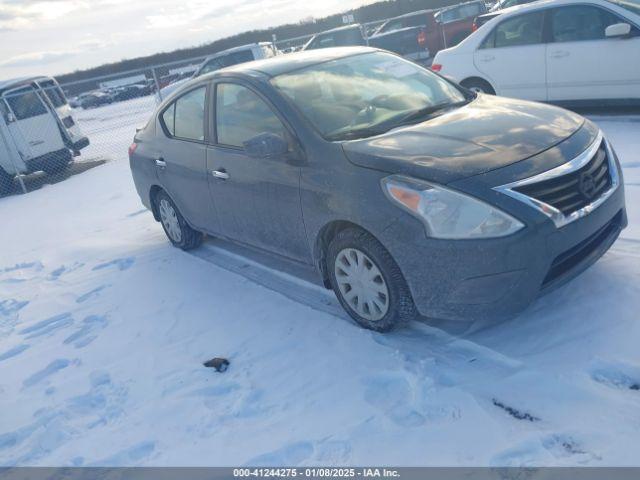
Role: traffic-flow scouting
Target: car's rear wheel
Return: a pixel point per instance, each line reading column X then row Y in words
column 57, row 165
column 177, row 229
column 368, row 282
column 478, row 85
column 6, row 183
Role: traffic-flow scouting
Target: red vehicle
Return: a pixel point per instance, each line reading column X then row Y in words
column 420, row 35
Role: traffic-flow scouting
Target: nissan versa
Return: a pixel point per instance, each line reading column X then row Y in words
column 411, row 195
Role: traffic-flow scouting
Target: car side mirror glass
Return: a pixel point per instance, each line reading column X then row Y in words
column 266, row 145
column 617, row 30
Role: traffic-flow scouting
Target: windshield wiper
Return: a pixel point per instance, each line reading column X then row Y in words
column 429, row 110
column 358, row 133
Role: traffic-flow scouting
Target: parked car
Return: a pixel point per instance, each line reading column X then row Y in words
column 565, row 51
column 95, row 99
column 347, row 35
column 409, row 194
column 37, row 131
column 128, row 92
column 416, row 36
column 226, row 58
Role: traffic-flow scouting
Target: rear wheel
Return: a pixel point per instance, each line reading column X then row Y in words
column 478, row 85
column 177, row 229
column 368, row 282
column 59, row 164
column 6, row 183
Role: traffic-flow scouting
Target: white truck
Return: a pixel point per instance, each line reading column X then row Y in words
column 37, row 131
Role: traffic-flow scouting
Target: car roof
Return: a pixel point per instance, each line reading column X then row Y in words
column 542, row 4
column 17, row 82
column 280, row 64
column 338, row 29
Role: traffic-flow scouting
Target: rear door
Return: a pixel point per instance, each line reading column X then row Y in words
column 258, row 199
column 182, row 155
column 58, row 102
column 513, row 57
column 34, row 128
column 583, row 64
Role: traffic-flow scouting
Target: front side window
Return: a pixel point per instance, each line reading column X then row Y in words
column 53, row 93
column 365, row 94
column 184, row 118
column 241, row 115
column 518, row 31
column 580, row 23
column 25, row 103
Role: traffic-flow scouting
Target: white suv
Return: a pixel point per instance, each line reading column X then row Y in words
column 226, row 58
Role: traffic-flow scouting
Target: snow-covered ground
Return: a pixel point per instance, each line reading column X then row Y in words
column 104, row 327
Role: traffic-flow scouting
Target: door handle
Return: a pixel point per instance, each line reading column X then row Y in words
column 488, row 58
column 221, row 174
column 160, row 162
column 559, row 54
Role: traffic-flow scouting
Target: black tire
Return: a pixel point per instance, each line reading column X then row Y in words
column 6, row 183
column 188, row 238
column 478, row 85
column 58, row 165
column 401, row 308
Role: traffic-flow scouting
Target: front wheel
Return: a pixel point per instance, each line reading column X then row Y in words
column 368, row 282
column 177, row 229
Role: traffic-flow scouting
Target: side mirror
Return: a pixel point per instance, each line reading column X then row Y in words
column 266, row 145
column 617, row 30
column 11, row 117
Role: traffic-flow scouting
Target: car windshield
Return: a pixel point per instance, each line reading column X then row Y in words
column 631, row 5
column 367, row 94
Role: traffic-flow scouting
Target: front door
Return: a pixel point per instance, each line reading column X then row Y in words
column 584, row 64
column 513, row 57
column 257, row 199
column 181, row 159
column 34, row 128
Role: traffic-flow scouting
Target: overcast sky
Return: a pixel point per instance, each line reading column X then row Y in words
column 58, row 36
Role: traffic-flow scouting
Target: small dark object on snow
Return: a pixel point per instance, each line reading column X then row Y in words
column 515, row 413
column 220, row 364
column 635, row 386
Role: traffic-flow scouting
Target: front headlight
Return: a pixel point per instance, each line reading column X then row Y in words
column 447, row 213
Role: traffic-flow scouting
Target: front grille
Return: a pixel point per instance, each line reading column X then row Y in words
column 586, row 250
column 576, row 189
column 68, row 122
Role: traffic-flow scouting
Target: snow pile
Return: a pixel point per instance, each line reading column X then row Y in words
column 104, row 328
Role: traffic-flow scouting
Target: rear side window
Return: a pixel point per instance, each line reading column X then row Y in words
column 580, row 23
column 517, row 31
column 184, row 118
column 241, row 115
column 25, row 103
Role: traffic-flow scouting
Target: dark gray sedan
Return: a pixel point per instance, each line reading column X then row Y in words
column 411, row 195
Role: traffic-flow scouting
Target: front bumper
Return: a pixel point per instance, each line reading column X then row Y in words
column 498, row 278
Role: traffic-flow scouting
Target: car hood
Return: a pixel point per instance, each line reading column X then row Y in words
column 488, row 133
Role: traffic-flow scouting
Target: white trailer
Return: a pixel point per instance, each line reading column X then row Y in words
column 37, row 131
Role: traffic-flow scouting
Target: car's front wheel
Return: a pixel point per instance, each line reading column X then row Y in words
column 177, row 229
column 368, row 282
